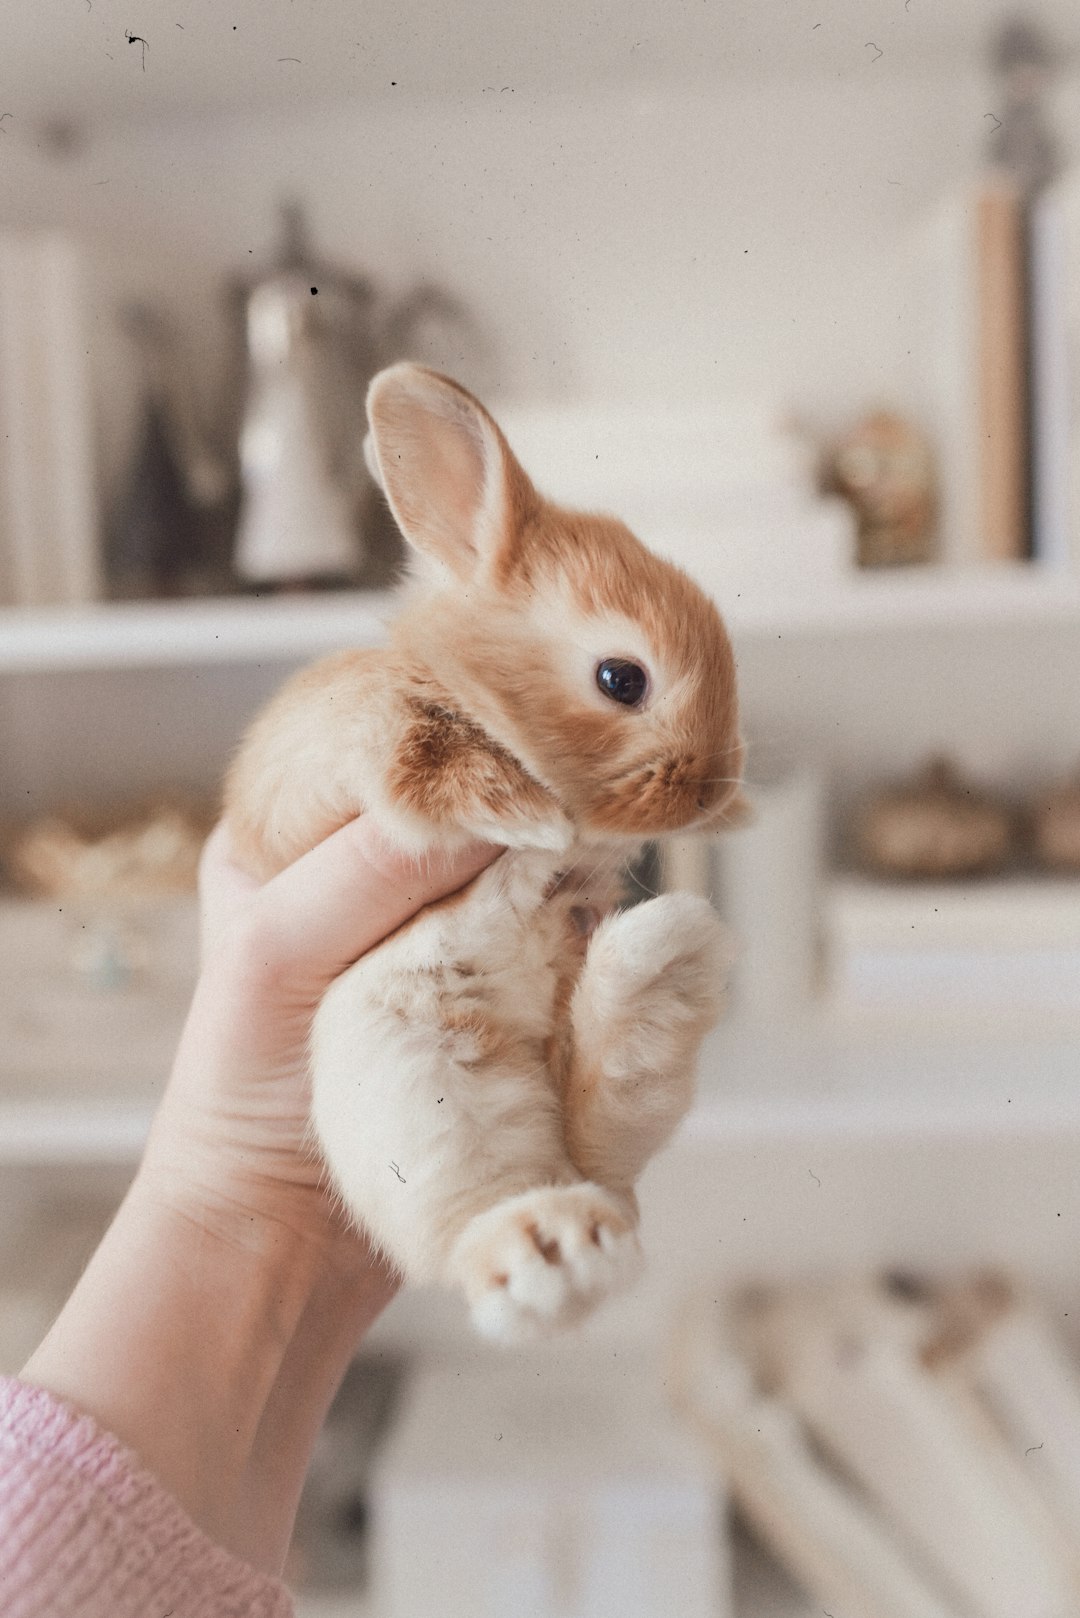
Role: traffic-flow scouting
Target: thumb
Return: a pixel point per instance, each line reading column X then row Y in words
column 320, row 914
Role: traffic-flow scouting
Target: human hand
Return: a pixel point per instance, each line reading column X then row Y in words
column 213, row 1324
column 231, row 1138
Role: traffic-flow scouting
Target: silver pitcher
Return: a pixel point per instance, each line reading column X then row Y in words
column 313, row 339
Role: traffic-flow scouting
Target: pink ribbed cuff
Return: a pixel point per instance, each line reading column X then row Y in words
column 87, row 1532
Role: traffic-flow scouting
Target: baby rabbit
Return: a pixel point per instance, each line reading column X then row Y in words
column 490, row 1081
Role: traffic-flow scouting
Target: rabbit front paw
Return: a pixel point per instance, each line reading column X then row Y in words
column 543, row 1260
column 449, row 772
column 553, row 832
column 652, row 985
column 654, row 975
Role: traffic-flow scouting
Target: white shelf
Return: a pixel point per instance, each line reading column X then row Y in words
column 160, row 633
column 1020, row 595
column 760, row 1589
column 288, row 628
column 819, row 1076
column 809, row 1078
column 58, row 1133
column 337, row 1605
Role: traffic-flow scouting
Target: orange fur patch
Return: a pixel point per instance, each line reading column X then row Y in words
column 608, row 568
column 314, row 702
column 478, row 1039
column 446, row 768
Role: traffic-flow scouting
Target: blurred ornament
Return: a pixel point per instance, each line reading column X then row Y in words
column 147, row 851
column 937, row 825
column 1021, row 142
column 309, row 352
column 884, row 467
column 161, row 538
column 314, row 335
column 1056, row 827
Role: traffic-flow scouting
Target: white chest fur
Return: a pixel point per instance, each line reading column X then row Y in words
column 489, row 1083
column 431, row 1056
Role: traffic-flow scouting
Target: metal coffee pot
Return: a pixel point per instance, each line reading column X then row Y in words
column 314, row 335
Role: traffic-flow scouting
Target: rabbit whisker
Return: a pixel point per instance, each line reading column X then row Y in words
column 590, row 876
column 654, row 893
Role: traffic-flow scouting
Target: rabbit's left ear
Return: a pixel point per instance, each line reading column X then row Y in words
column 452, row 482
column 371, row 461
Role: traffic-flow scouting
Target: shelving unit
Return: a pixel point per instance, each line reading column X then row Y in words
column 156, row 634
column 808, row 1074
column 822, row 1076
column 760, row 1590
column 907, row 601
column 815, row 1077
column 829, row 1117
column 817, row 1141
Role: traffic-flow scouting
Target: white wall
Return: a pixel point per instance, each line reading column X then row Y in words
column 752, row 236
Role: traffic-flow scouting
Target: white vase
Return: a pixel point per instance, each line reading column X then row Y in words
column 768, row 888
column 296, row 522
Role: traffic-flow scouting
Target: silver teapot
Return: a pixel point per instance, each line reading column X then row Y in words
column 314, row 336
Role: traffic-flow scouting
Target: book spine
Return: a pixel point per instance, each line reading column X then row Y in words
column 1031, row 1385
column 18, row 413
column 1050, row 514
column 7, row 539
column 687, row 865
column 828, row 1538
column 1002, row 370
column 70, row 516
column 945, row 362
column 48, row 514
column 945, row 1481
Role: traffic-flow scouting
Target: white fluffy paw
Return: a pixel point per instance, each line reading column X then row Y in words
column 666, row 958
column 543, row 1260
column 553, row 833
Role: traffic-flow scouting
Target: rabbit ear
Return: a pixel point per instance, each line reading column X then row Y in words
column 371, row 460
column 453, row 484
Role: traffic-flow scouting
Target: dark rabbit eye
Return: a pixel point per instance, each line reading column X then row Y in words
column 622, row 681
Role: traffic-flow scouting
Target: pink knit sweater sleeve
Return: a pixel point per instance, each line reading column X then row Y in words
column 86, row 1531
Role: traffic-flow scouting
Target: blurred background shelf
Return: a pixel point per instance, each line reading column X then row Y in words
column 72, row 1134
column 157, row 633
column 734, row 218
column 1000, row 596
column 819, row 1076
column 760, row 1590
column 824, row 1075
column 116, row 635
column 454, row 54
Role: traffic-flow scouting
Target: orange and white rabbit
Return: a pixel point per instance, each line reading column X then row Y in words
column 490, row 1081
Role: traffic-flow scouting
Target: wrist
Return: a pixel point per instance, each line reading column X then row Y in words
column 174, row 1339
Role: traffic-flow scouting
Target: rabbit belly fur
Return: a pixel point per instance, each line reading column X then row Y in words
column 441, row 1063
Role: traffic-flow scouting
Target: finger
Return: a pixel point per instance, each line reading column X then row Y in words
column 345, row 895
column 223, row 887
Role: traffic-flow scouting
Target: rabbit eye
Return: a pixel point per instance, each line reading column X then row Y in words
column 622, row 681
